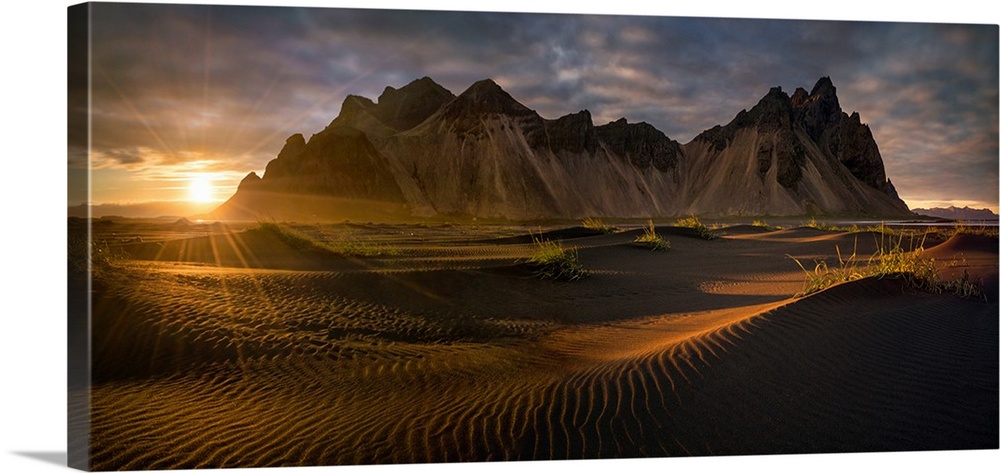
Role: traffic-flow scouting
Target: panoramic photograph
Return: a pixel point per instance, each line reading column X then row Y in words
column 330, row 236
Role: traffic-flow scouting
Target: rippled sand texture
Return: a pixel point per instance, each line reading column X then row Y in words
column 233, row 350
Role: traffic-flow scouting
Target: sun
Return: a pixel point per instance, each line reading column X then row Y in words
column 201, row 189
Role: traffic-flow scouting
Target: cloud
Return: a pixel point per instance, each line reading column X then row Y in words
column 234, row 82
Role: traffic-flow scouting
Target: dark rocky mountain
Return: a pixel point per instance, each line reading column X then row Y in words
column 397, row 109
column 641, row 144
column 840, row 135
column 955, row 213
column 790, row 156
column 420, row 150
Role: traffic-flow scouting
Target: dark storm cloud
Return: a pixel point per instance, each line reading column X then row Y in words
column 186, row 82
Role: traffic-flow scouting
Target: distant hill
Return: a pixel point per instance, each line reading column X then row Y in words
column 143, row 210
column 955, row 213
column 421, row 150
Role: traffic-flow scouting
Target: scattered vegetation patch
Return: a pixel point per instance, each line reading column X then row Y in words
column 964, row 287
column 884, row 230
column 598, row 225
column 98, row 258
column 700, row 229
column 292, row 237
column 649, row 239
column 889, row 260
column 347, row 247
column 961, row 228
column 813, row 223
column 553, row 261
column 353, row 247
column 764, row 225
column 881, row 228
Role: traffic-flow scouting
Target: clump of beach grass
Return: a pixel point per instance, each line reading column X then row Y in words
column 700, row 229
column 964, row 287
column 651, row 240
column 764, row 225
column 890, row 259
column 553, row 261
column 817, row 225
column 596, row 224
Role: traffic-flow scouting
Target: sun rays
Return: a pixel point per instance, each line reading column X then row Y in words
column 201, row 188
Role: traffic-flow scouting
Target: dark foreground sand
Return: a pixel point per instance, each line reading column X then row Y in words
column 232, row 349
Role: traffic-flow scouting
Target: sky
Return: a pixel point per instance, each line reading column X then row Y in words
column 187, row 100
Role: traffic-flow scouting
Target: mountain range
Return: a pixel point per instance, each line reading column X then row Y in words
column 955, row 213
column 154, row 209
column 420, row 150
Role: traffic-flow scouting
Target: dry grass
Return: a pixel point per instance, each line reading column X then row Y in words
column 651, row 240
column 597, row 224
column 890, row 259
column 982, row 230
column 764, row 225
column 553, row 261
column 694, row 222
column 854, row 228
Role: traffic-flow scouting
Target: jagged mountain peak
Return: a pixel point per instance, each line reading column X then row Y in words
column 486, row 97
column 819, row 110
column 822, row 90
column 396, row 110
column 573, row 132
column 424, row 82
column 816, row 112
column 775, row 93
column 773, row 112
column 641, row 144
column 249, row 181
column 824, row 87
column 486, row 85
column 425, row 86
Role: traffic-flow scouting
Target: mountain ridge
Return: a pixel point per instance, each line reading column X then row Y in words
column 955, row 213
column 481, row 153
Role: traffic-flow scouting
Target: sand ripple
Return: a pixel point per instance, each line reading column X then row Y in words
column 201, row 366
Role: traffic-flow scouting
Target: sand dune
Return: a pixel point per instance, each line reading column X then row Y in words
column 439, row 352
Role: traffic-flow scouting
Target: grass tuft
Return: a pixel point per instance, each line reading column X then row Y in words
column 964, row 287
column 651, row 240
column 764, row 225
column 553, row 261
column 597, row 224
column 700, row 229
column 813, row 223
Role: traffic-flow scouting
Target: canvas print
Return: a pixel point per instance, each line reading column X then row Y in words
column 326, row 236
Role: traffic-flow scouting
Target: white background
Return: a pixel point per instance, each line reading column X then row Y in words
column 32, row 229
